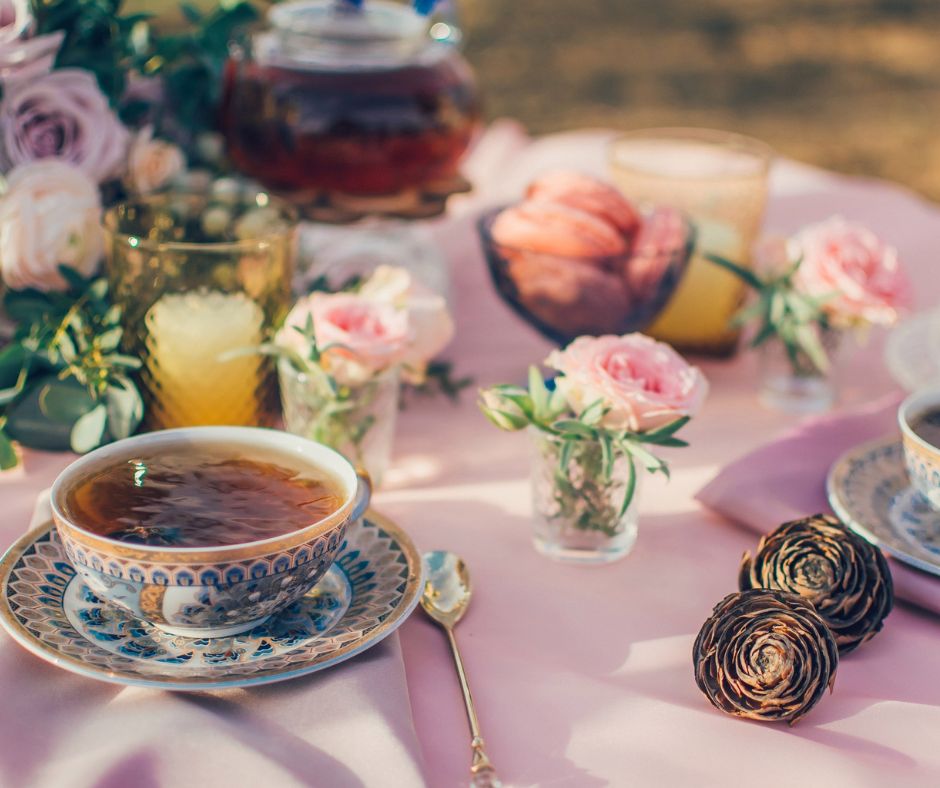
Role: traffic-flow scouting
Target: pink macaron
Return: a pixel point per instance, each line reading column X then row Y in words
column 577, row 190
column 659, row 242
column 553, row 228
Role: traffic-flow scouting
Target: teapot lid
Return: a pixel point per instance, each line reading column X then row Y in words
column 340, row 34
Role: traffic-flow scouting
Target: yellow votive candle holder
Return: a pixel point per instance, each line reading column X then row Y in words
column 202, row 281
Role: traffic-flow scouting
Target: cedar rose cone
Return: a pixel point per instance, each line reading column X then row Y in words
column 765, row 655
column 844, row 577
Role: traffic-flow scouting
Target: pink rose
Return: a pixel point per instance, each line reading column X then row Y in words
column 23, row 56
column 152, row 164
column 645, row 384
column 429, row 322
column 360, row 336
column 850, row 263
column 50, row 215
column 63, row 115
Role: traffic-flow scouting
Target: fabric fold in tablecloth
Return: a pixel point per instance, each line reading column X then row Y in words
column 786, row 479
column 347, row 726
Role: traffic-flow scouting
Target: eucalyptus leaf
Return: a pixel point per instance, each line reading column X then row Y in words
column 574, row 427
column 631, row 486
column 88, row 432
column 8, row 456
column 64, row 401
column 12, row 359
column 125, row 409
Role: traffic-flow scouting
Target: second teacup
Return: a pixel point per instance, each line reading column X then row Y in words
column 919, row 419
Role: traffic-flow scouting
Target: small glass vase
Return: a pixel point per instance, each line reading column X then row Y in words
column 358, row 421
column 797, row 385
column 578, row 515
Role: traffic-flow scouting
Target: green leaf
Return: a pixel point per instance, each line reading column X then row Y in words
column 666, row 431
column 650, row 461
column 12, row 360
column 631, row 487
column 125, row 408
column 564, row 456
column 8, row 457
column 745, row 275
column 110, row 339
column 573, row 427
column 607, row 454
column 593, row 413
column 539, row 394
column 88, row 431
column 73, row 279
column 192, row 14
column 26, row 306
column 27, row 424
column 64, row 401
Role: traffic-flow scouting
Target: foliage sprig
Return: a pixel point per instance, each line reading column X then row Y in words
column 780, row 310
column 64, row 381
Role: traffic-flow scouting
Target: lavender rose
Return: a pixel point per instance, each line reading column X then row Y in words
column 62, row 115
column 23, row 56
column 50, row 215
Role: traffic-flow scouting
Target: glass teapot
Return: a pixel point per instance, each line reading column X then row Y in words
column 338, row 100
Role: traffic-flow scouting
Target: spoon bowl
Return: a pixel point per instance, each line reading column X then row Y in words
column 447, row 590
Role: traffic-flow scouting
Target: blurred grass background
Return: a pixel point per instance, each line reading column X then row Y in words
column 852, row 85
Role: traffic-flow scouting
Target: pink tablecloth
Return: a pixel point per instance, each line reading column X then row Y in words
column 582, row 676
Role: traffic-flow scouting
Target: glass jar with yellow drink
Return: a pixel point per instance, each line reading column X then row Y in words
column 719, row 180
column 202, row 280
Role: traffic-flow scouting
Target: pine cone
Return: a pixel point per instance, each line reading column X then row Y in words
column 765, row 655
column 844, row 577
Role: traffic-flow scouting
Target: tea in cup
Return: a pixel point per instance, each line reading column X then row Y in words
column 206, row 531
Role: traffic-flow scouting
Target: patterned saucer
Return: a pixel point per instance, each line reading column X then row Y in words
column 366, row 595
column 869, row 489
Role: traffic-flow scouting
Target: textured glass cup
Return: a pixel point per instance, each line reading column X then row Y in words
column 578, row 516
column 201, row 279
column 357, row 421
column 720, row 180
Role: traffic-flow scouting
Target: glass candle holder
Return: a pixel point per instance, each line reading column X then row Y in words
column 720, row 180
column 202, row 280
column 578, row 513
column 358, row 421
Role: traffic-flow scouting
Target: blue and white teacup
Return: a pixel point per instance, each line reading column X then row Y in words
column 210, row 591
column 921, row 458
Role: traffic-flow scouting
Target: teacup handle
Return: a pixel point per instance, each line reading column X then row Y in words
column 363, row 495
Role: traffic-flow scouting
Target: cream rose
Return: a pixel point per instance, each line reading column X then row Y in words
column 431, row 327
column 50, row 215
column 643, row 383
column 152, row 164
column 860, row 272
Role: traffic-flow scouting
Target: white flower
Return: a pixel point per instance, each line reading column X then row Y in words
column 152, row 164
column 50, row 215
column 430, row 325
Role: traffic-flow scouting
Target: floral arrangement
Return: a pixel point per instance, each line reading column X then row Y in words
column 830, row 277
column 347, row 346
column 614, row 399
column 94, row 105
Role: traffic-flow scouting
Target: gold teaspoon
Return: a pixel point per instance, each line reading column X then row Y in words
column 446, row 597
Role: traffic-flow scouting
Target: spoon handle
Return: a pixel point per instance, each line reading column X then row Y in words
column 484, row 775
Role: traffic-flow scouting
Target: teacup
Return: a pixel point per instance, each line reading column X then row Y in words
column 921, row 457
column 210, row 591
